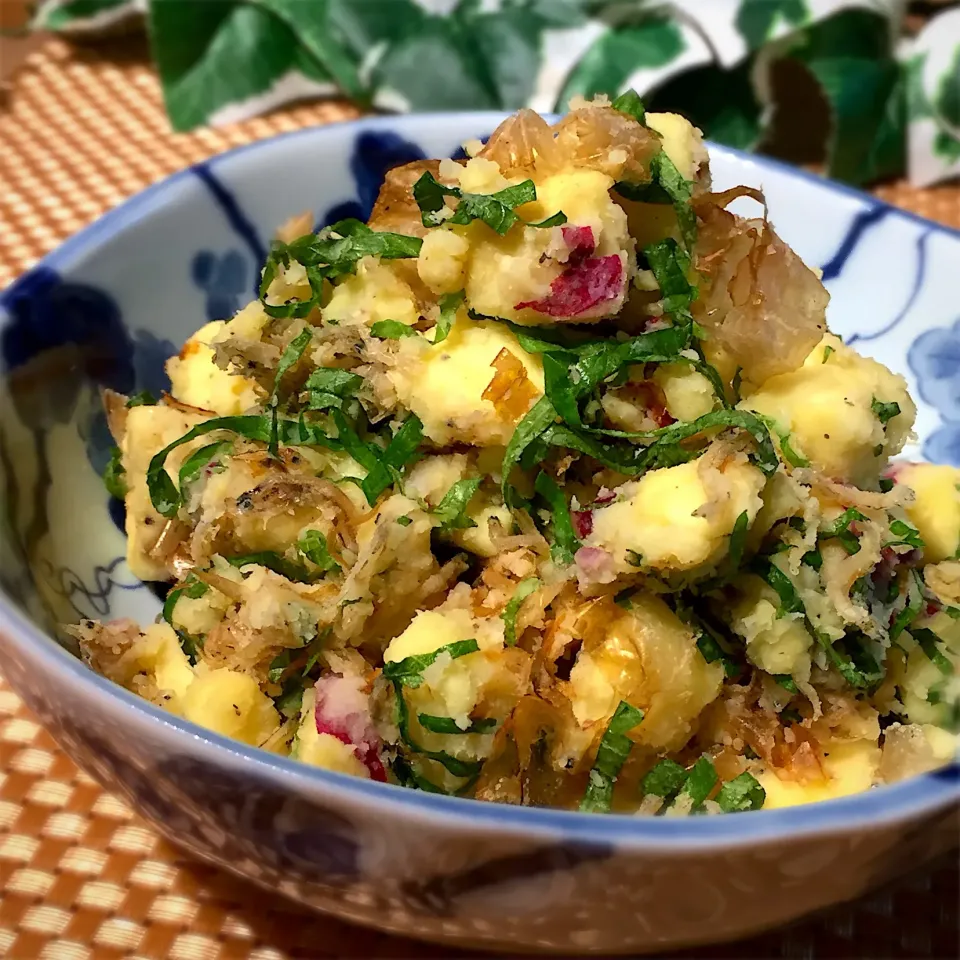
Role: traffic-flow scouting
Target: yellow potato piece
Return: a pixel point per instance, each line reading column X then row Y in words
column 687, row 393
column 159, row 653
column 197, row 380
column 649, row 659
column 936, row 510
column 826, row 404
column 777, row 644
column 231, row 704
column 443, row 385
column 376, row 292
column 658, row 517
column 323, row 749
column 148, row 430
column 682, row 142
column 850, row 768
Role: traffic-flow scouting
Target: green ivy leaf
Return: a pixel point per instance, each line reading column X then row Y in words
column 436, row 68
column 361, row 26
column 947, row 147
column 918, row 106
column 616, row 54
column 849, row 56
column 722, row 103
column 312, row 28
column 212, row 55
column 947, row 102
column 509, row 46
column 81, row 16
column 757, row 19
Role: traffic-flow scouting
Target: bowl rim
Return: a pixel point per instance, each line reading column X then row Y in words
column 926, row 794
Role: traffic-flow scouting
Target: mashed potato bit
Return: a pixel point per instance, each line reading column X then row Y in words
column 659, row 521
column 444, row 384
column 376, row 292
column 521, row 267
column 832, row 407
column 230, row 703
column 682, row 142
column 687, row 393
column 777, row 644
column 452, row 687
column 196, row 379
column 149, row 429
column 848, row 768
column 323, row 749
column 159, row 654
column 936, row 510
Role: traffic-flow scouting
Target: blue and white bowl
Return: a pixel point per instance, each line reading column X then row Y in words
column 108, row 307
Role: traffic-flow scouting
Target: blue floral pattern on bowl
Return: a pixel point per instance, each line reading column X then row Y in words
column 224, row 279
column 373, row 155
column 935, row 359
column 434, row 867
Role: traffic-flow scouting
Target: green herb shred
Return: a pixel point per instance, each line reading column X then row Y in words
column 199, row 460
column 928, row 641
column 193, row 589
column 290, row 569
column 409, row 671
column 313, row 545
column 163, row 492
column 510, row 611
column 448, row 725
column 908, row 536
column 469, row 769
column 496, row 210
column 840, row 529
column 665, row 780
column 391, row 330
column 331, row 387
column 612, row 754
column 790, row 602
column 912, row 606
column 115, row 475
column 630, row 104
column 329, row 255
column 742, row 793
column 885, row 412
column 786, row 681
column 143, row 398
column 666, row 185
column 451, row 511
column 738, row 539
column 701, row 780
column 449, row 305
column 565, row 543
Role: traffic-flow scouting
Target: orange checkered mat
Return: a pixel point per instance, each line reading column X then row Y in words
column 81, row 876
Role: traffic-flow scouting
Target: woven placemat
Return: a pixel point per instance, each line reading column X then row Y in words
column 80, row 876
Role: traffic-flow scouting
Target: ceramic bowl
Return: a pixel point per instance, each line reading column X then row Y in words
column 108, row 307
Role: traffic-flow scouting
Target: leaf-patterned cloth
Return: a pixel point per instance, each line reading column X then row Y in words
column 892, row 102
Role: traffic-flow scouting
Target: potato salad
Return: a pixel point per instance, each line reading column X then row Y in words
column 549, row 485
